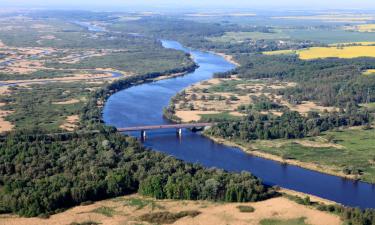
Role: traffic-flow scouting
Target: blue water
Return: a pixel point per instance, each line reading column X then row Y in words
column 143, row 104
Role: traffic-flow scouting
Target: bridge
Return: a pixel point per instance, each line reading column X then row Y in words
column 178, row 127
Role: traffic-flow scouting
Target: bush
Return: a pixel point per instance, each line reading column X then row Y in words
column 245, row 208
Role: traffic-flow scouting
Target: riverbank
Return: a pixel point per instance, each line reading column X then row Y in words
column 229, row 58
column 305, row 165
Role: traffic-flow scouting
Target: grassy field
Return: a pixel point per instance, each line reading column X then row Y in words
column 345, row 52
column 351, row 151
column 36, row 105
column 233, row 37
column 300, row 221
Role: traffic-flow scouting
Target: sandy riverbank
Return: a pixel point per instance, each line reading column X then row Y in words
column 228, row 58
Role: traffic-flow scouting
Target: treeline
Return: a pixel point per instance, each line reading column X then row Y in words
column 43, row 174
column 196, row 34
column 289, row 125
column 156, row 57
column 331, row 82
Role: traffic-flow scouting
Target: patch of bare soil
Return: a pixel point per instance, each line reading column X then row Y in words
column 229, row 58
column 189, row 116
column 68, row 102
column 48, row 37
column 70, row 123
column 2, row 45
column 210, row 213
column 25, row 67
column 75, row 78
column 4, row 125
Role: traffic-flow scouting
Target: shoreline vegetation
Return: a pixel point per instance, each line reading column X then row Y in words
column 305, row 165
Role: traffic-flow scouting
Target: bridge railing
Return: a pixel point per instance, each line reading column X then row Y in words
column 164, row 126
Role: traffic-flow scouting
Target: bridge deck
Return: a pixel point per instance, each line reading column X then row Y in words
column 167, row 126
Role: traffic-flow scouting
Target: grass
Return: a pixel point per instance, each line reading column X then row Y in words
column 281, row 52
column 139, row 203
column 106, row 211
column 227, row 86
column 86, row 223
column 299, row 221
column 369, row 106
column 233, row 37
column 32, row 107
column 345, row 52
column 246, row 208
column 224, row 116
column 356, row 155
column 167, row 217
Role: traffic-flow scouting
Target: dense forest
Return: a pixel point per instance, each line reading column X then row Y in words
column 289, row 125
column 44, row 173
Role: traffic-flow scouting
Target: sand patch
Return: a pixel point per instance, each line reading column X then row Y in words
column 25, row 67
column 229, row 58
column 70, row 123
column 5, row 125
column 211, row 213
column 68, row 102
column 75, row 78
column 48, row 37
column 189, row 116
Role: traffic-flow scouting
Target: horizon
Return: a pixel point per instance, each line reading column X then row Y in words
column 165, row 5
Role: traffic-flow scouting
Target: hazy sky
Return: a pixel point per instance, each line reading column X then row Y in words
column 129, row 4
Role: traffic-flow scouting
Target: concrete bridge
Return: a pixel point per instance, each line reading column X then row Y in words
column 178, row 127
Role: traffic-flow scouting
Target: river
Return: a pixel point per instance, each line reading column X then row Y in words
column 143, row 105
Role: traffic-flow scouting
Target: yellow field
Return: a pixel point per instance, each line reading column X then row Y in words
column 345, row 52
column 369, row 72
column 362, row 28
column 280, row 52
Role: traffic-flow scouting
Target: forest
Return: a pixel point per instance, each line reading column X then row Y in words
column 289, row 125
column 331, row 82
column 46, row 173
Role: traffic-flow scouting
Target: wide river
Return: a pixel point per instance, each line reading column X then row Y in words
column 143, row 105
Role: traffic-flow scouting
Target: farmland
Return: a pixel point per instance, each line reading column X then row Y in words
column 345, row 52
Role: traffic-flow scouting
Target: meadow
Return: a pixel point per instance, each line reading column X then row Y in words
column 230, row 37
column 348, row 151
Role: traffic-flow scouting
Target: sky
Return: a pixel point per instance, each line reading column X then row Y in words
column 181, row 4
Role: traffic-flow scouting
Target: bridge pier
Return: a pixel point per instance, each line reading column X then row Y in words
column 143, row 134
column 179, row 132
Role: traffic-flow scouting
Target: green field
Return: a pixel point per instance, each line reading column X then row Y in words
column 300, row 221
column 244, row 36
column 355, row 153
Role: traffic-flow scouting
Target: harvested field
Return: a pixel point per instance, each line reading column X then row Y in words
column 345, row 52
